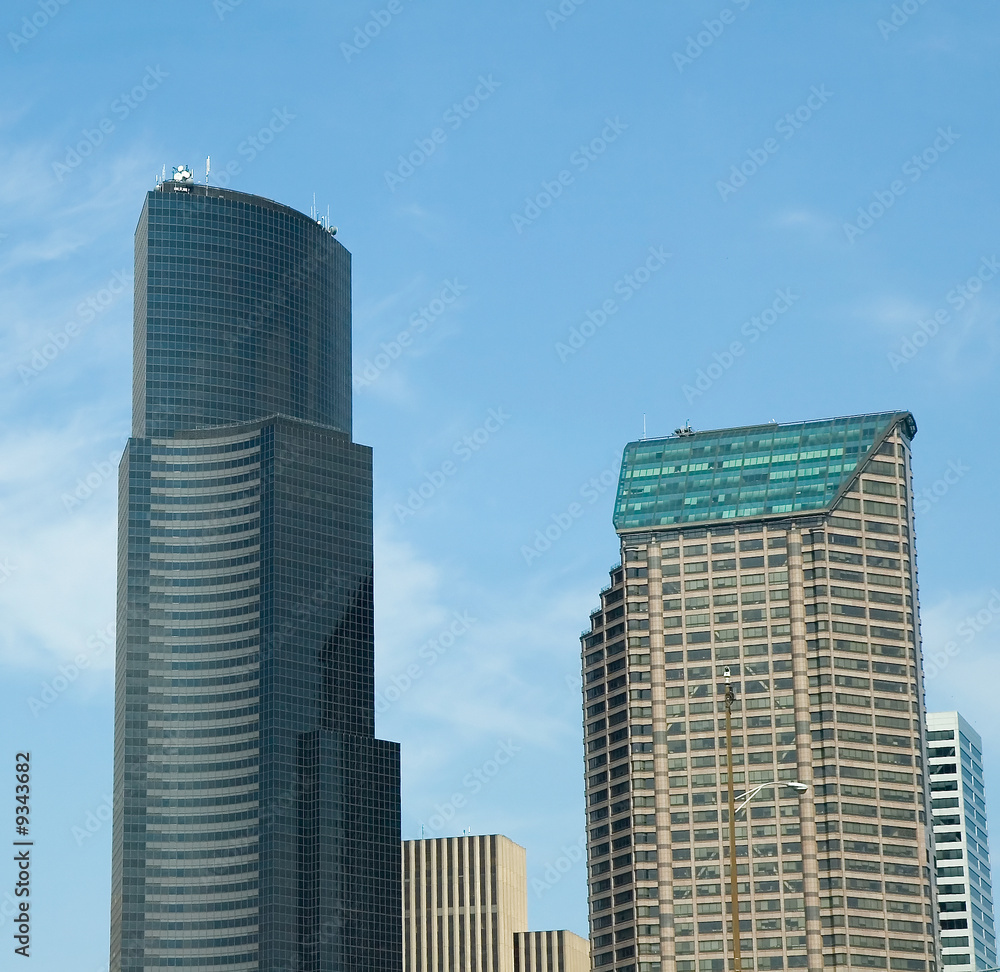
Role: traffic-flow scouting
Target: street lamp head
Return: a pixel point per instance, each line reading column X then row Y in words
column 748, row 795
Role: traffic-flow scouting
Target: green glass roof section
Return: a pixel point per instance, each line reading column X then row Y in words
column 751, row 472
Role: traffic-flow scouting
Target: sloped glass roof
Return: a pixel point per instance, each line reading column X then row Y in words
column 759, row 470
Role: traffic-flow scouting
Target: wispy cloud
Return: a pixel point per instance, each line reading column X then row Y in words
column 803, row 219
column 63, row 241
column 961, row 647
column 971, row 344
column 512, row 673
column 62, row 585
column 895, row 313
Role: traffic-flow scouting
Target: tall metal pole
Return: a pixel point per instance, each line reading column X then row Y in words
column 734, row 895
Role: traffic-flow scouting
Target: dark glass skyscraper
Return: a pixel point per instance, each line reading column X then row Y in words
column 256, row 821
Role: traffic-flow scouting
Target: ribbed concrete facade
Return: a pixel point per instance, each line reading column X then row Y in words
column 463, row 900
column 786, row 554
column 550, row 951
column 961, row 851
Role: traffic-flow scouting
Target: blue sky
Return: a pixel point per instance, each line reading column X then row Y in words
column 726, row 213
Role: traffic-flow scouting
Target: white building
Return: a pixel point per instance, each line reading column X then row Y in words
column 962, row 856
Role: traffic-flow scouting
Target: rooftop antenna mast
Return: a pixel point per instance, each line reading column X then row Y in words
column 208, row 168
column 644, row 425
column 312, row 212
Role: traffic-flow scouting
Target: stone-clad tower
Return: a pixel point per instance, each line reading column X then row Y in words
column 785, row 554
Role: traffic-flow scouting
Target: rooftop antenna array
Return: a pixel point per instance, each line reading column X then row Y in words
column 685, row 431
column 321, row 220
column 208, row 168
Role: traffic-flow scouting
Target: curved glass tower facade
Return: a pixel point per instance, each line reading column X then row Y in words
column 256, row 815
column 243, row 309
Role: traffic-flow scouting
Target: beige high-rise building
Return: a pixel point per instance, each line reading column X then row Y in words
column 785, row 553
column 465, row 909
column 550, row 951
column 463, row 900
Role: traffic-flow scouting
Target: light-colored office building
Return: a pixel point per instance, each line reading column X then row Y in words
column 463, row 899
column 961, row 851
column 550, row 951
column 465, row 909
column 785, row 553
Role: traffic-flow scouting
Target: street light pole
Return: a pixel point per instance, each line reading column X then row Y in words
column 734, row 894
column 746, row 797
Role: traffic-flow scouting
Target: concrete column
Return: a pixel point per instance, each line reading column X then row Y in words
column 803, row 749
column 660, row 757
